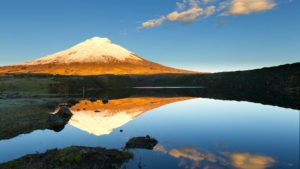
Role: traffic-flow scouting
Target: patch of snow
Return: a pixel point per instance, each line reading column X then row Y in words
column 92, row 50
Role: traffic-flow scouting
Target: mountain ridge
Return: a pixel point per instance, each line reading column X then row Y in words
column 95, row 49
column 94, row 56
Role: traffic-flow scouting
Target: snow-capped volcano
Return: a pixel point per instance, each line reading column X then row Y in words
column 92, row 57
column 94, row 50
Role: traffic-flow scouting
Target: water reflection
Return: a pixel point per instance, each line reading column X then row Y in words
column 276, row 98
column 191, row 158
column 256, row 136
column 100, row 118
column 249, row 161
column 186, row 154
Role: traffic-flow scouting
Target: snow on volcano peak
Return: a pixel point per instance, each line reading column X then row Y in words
column 93, row 50
column 99, row 40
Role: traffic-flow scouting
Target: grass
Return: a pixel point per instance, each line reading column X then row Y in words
column 19, row 116
column 28, row 85
column 74, row 157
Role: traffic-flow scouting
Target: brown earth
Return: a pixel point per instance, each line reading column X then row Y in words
column 113, row 67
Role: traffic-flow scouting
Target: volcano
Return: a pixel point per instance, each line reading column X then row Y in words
column 94, row 56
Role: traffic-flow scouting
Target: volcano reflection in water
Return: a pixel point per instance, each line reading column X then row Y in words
column 99, row 118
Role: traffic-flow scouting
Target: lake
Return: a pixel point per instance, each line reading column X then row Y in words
column 192, row 131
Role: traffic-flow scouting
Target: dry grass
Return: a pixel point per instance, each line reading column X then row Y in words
column 29, row 84
column 119, row 68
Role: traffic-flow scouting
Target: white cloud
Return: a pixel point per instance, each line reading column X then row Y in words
column 193, row 3
column 208, row 1
column 188, row 11
column 243, row 7
column 210, row 10
column 187, row 16
column 223, row 5
column 192, row 14
column 180, row 6
column 153, row 22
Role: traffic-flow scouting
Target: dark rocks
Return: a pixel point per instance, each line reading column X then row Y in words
column 64, row 112
column 93, row 99
column 105, row 100
column 68, row 102
column 141, row 142
column 58, row 121
column 72, row 101
column 74, row 157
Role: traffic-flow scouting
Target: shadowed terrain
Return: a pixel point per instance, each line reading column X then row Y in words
column 74, row 157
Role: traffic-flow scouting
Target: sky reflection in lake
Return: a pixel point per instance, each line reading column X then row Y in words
column 192, row 133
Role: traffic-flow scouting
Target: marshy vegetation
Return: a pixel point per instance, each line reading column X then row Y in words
column 74, row 157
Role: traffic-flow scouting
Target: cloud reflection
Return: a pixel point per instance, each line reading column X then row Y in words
column 192, row 158
column 189, row 157
column 249, row 161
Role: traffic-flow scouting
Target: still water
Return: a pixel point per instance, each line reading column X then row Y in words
column 192, row 132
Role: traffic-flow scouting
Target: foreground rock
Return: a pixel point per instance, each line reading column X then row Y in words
column 64, row 112
column 74, row 157
column 58, row 120
column 141, row 142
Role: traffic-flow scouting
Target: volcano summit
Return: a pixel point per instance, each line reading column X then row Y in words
column 94, row 56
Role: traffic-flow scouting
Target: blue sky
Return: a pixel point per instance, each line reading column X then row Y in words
column 189, row 35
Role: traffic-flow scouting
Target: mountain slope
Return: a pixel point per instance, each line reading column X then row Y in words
column 91, row 57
